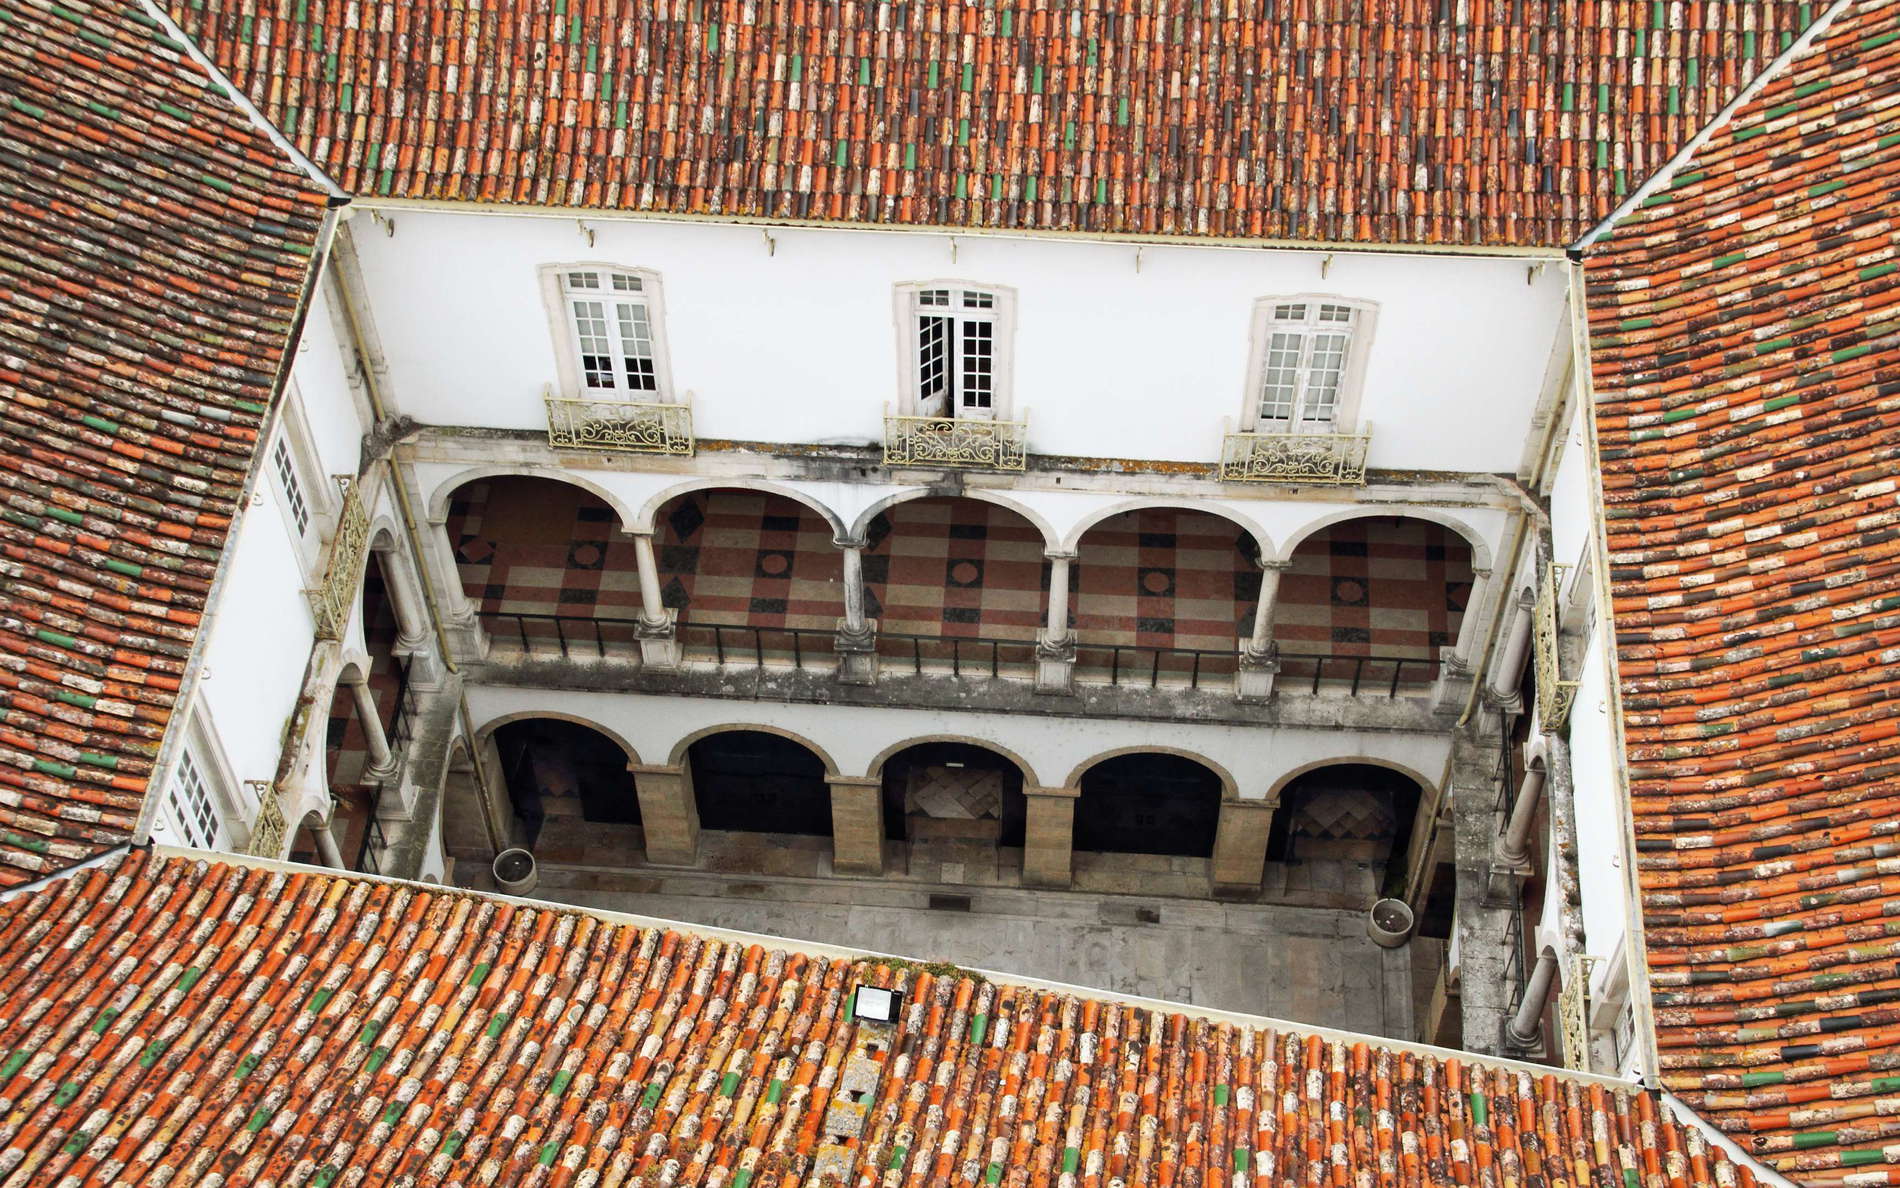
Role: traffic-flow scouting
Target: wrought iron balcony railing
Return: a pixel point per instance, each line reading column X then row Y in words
column 955, row 441
column 1331, row 458
column 624, row 425
column 331, row 601
column 270, row 830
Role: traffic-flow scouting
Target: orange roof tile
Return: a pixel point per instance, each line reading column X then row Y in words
column 172, row 1020
column 153, row 249
column 1498, row 122
column 1746, row 349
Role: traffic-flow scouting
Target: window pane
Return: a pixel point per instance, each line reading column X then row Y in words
column 1281, row 377
column 583, row 280
column 973, row 299
column 979, row 363
column 1335, row 313
column 625, row 283
column 1322, row 379
column 190, row 805
column 1289, row 313
column 292, row 488
column 636, row 345
column 597, row 355
column 934, row 297
column 933, row 357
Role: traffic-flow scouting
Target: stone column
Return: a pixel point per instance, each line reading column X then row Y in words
column 382, row 763
column 856, row 640
column 1511, row 864
column 1507, row 665
column 1049, row 837
column 1055, row 645
column 659, row 639
column 1240, row 845
column 1260, row 658
column 1454, row 663
column 461, row 618
column 412, row 618
column 328, row 852
column 857, row 825
column 1526, row 1026
column 669, row 816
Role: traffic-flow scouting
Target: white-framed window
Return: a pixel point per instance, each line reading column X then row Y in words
column 290, row 485
column 194, row 807
column 610, row 328
column 954, row 348
column 291, row 470
column 1308, row 361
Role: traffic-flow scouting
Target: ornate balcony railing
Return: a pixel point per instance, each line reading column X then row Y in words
column 331, row 602
column 624, row 425
column 955, row 441
column 1332, row 458
column 1554, row 694
column 270, row 829
column 1573, row 1003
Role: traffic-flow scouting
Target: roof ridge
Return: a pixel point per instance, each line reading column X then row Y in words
column 1660, row 178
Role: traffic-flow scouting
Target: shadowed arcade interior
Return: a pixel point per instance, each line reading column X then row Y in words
column 1148, row 803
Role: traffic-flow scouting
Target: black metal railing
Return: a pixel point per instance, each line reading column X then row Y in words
column 403, row 726
column 1132, row 665
column 570, row 637
column 727, row 644
column 973, row 656
column 1373, row 676
column 367, row 857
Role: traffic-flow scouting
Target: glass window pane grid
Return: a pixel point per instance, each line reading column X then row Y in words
column 190, row 803
column 293, row 489
column 1303, row 371
column 978, row 364
column 933, row 356
column 590, row 327
column 636, row 345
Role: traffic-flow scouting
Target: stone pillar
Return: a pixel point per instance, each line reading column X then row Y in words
column 857, row 825
column 1525, row 1028
column 1055, row 644
column 669, row 816
column 856, row 641
column 1453, row 686
column 659, row 639
column 1240, row 845
column 1049, row 837
column 328, row 852
column 382, row 763
column 1507, row 666
column 412, row 617
column 1511, row 864
column 461, row 618
column 1260, row 657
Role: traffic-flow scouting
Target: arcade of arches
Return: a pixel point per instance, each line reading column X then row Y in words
column 743, row 800
column 760, row 575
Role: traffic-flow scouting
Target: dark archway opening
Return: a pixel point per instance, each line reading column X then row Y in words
column 1148, row 803
column 951, row 790
column 1346, row 812
column 751, row 781
column 564, row 771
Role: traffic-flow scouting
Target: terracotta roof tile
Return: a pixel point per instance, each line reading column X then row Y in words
column 1402, row 121
column 153, row 246
column 171, row 1020
column 1746, row 341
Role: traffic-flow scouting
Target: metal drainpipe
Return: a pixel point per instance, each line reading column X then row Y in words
column 346, row 243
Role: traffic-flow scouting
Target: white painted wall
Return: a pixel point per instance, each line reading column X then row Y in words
column 1120, row 351
column 852, row 737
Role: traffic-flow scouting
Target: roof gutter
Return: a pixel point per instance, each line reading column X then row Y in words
column 583, row 214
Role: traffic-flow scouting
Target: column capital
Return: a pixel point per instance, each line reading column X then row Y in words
column 851, row 542
column 656, row 768
column 1276, row 565
column 1480, row 574
column 1059, row 554
column 1054, row 793
column 845, row 781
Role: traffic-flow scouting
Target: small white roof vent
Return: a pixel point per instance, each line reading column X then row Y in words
column 873, row 1004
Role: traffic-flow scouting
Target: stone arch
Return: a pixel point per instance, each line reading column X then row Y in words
column 464, row 823
column 487, row 729
column 1362, row 815
column 678, row 753
column 1480, row 548
column 1426, row 786
column 1149, row 800
column 1229, row 788
column 876, row 767
column 643, row 518
column 445, row 490
column 759, row 780
column 1263, row 542
column 862, row 524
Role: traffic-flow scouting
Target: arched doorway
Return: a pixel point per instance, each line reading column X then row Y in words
column 1163, row 596
column 1369, row 602
column 1356, row 815
column 956, row 804
column 565, row 781
column 753, row 577
column 547, row 566
column 1149, row 802
column 751, row 781
column 957, row 585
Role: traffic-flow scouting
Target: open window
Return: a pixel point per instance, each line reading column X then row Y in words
column 955, row 346
column 610, row 332
column 1308, row 364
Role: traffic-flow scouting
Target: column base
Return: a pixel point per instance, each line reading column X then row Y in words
column 659, row 642
column 1055, row 665
column 857, row 653
column 1504, row 879
column 1253, row 679
column 1453, row 687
